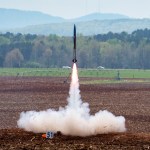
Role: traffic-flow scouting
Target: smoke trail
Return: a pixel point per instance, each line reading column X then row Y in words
column 74, row 119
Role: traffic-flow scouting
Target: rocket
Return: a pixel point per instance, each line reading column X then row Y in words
column 74, row 48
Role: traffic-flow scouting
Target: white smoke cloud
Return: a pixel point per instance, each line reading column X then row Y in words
column 74, row 119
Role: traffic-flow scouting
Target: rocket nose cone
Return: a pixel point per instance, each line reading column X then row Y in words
column 74, row 28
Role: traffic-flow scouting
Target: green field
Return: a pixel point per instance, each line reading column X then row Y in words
column 60, row 72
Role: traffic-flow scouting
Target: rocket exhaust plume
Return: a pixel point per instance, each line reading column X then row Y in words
column 74, row 119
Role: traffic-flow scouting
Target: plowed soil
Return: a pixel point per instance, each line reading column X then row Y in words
column 131, row 100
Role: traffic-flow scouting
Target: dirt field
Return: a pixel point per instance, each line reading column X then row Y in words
column 19, row 94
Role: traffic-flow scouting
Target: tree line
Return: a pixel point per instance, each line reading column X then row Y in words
column 111, row 50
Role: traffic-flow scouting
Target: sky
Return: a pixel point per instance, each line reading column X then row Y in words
column 75, row 8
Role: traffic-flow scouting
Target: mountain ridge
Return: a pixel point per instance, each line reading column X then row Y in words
column 34, row 22
column 14, row 18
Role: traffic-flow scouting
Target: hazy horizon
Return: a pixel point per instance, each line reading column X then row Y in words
column 69, row 9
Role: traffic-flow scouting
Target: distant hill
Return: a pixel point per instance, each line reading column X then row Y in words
column 39, row 23
column 12, row 18
column 87, row 28
column 100, row 16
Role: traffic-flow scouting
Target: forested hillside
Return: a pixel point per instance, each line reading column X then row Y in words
column 111, row 50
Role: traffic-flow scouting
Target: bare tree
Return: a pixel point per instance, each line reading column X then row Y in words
column 13, row 58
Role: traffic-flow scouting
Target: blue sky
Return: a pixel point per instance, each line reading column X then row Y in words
column 76, row 8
